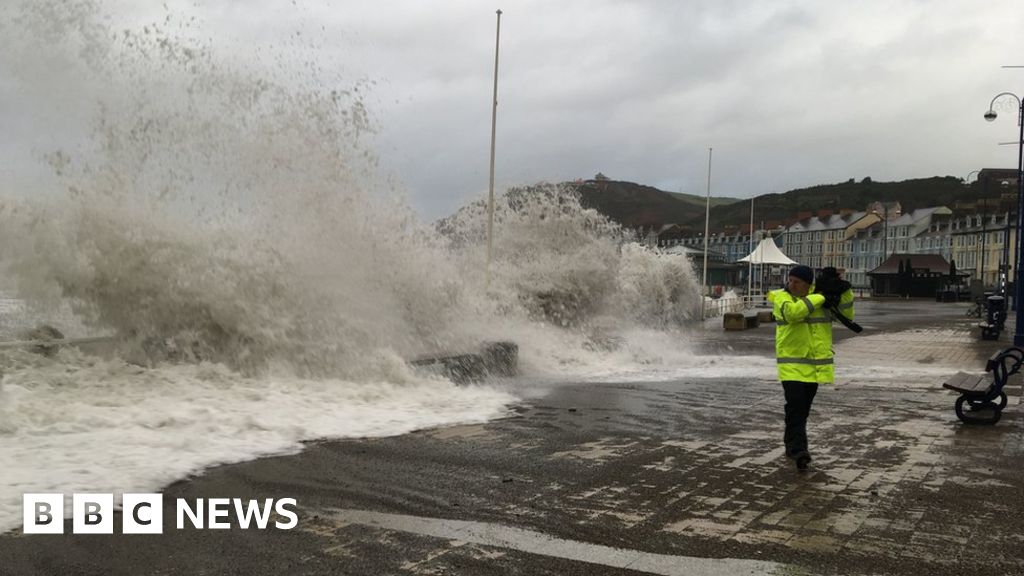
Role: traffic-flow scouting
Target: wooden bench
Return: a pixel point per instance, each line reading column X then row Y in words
column 984, row 392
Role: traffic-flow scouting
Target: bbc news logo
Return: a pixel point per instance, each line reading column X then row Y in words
column 144, row 513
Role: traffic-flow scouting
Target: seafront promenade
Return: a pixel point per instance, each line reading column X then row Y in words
column 677, row 477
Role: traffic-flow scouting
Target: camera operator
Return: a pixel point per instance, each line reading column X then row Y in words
column 803, row 313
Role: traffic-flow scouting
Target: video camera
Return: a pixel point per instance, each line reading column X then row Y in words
column 831, row 286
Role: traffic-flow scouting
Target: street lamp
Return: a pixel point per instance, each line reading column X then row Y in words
column 1004, row 258
column 885, row 234
column 885, row 231
column 984, row 210
column 1018, row 284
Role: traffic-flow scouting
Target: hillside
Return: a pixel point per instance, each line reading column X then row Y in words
column 911, row 194
column 700, row 200
column 636, row 205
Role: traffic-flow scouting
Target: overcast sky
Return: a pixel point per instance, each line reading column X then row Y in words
column 788, row 93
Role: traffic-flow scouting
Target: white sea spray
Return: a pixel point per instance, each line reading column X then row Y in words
column 221, row 215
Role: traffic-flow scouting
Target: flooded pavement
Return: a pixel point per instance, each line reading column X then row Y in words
column 507, row 538
column 679, row 477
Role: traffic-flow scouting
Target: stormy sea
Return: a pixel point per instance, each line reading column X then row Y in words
column 218, row 225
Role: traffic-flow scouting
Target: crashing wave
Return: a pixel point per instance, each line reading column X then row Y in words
column 212, row 208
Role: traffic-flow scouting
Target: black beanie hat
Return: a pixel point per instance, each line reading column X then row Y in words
column 804, row 273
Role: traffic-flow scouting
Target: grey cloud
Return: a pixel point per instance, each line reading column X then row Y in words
column 789, row 93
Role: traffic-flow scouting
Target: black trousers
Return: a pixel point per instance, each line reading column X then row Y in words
column 799, row 396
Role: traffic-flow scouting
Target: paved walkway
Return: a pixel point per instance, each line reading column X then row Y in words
column 683, row 477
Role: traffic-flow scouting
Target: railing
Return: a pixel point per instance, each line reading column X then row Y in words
column 861, row 293
column 719, row 306
column 714, row 308
column 55, row 342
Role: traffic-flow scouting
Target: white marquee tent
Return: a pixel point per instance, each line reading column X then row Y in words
column 765, row 253
column 768, row 253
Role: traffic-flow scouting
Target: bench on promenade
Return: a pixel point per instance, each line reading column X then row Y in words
column 984, row 392
column 740, row 320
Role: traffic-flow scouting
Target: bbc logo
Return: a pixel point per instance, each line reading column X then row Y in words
column 144, row 513
column 93, row 514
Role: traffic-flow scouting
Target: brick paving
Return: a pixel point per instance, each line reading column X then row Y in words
column 695, row 468
column 682, row 469
column 896, row 478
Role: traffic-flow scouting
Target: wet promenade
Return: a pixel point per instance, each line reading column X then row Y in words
column 679, row 477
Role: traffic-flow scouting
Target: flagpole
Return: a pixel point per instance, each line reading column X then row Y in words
column 490, row 190
column 750, row 263
column 707, row 215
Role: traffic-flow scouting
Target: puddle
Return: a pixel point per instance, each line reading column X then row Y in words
column 488, row 534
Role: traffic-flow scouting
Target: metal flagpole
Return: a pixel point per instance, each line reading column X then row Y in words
column 707, row 215
column 490, row 190
column 750, row 263
column 761, row 288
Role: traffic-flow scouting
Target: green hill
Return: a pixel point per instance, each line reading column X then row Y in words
column 700, row 200
column 636, row 205
column 911, row 194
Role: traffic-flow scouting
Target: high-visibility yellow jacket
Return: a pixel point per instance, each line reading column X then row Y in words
column 803, row 335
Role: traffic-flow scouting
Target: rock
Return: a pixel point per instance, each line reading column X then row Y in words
column 501, row 358
column 44, row 333
column 494, row 359
column 459, row 368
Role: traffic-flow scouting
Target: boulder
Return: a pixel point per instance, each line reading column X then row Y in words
column 494, row 359
column 42, row 334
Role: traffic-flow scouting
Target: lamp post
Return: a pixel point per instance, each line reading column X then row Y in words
column 885, row 234
column 984, row 234
column 1018, row 284
column 1004, row 259
column 984, row 209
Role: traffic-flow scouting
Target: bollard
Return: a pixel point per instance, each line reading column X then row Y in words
column 995, row 308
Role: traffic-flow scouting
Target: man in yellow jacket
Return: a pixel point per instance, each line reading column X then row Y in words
column 803, row 350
